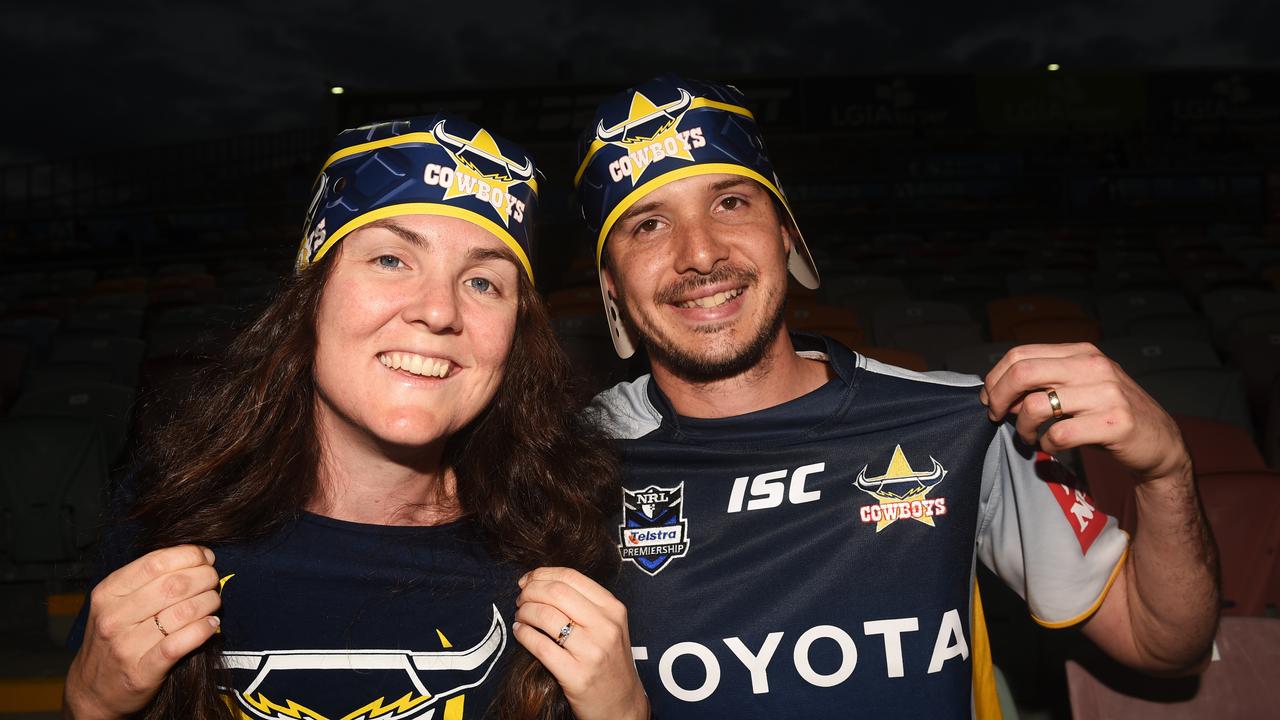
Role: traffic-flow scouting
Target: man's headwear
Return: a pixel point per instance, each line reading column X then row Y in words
column 431, row 165
column 664, row 130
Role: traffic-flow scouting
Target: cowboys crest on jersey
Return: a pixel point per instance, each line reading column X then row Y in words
column 424, row 679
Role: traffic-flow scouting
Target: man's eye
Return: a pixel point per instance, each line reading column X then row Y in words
column 731, row 203
column 389, row 261
column 649, row 225
column 480, row 285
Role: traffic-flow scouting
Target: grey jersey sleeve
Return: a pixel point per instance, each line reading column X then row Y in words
column 623, row 411
column 1041, row 534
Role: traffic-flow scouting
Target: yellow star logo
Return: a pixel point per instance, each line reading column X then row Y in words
column 902, row 490
column 471, row 181
column 663, row 143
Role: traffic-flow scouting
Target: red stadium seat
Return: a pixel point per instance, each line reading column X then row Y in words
column 1239, row 684
column 1244, row 511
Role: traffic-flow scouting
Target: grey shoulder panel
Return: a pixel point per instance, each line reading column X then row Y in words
column 623, row 412
column 937, row 377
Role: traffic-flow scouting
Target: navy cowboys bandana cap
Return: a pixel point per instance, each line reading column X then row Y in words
column 431, row 165
column 664, row 130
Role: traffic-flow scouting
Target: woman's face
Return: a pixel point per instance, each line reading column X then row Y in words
column 412, row 332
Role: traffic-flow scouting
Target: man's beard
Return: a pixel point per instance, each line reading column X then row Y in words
column 685, row 362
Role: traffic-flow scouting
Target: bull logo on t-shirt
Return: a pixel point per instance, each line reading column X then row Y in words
column 653, row 530
column 902, row 492
column 408, row 684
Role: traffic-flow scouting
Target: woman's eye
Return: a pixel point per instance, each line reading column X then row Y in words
column 390, row 262
column 480, row 285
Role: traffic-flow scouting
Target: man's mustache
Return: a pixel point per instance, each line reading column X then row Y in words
column 683, row 288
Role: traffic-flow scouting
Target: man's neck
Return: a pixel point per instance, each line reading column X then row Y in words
column 779, row 377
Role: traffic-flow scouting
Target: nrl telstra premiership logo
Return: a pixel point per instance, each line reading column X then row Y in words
column 653, row 530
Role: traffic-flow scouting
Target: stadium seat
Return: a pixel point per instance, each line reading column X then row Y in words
column 1244, row 511
column 933, row 341
column 13, row 364
column 1110, row 484
column 1215, row 393
column 863, row 293
column 1257, row 354
column 51, row 377
column 53, row 481
column 242, row 277
column 107, row 403
column 35, row 330
column 1186, row 326
column 137, row 301
column 75, row 281
column 1137, row 278
column 121, row 322
column 1139, row 356
column 1057, row 330
column 1007, row 313
column 1199, row 280
column 896, row 315
column 122, row 354
column 801, row 315
column 1218, row 447
column 975, row 359
column 575, row 298
column 185, row 268
column 1238, row 685
column 1117, row 310
column 1042, row 282
column 120, row 284
column 1227, row 306
column 1112, row 260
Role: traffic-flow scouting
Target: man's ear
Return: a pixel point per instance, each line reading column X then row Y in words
column 607, row 277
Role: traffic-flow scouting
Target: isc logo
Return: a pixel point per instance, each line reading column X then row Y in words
column 769, row 489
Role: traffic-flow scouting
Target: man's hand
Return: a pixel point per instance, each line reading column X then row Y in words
column 1100, row 405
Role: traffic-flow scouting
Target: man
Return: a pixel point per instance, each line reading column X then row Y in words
column 800, row 524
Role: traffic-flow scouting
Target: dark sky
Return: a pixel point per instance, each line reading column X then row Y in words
column 83, row 75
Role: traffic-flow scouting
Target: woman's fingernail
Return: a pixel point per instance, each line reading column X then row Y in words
column 516, row 625
column 523, row 580
column 214, row 621
column 209, row 556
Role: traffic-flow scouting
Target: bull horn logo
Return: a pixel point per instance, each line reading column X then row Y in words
column 489, row 151
column 642, row 111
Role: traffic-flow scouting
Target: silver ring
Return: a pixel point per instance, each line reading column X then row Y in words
column 156, row 619
column 1054, row 403
column 564, row 633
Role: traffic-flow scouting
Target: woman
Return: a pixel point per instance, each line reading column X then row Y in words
column 337, row 525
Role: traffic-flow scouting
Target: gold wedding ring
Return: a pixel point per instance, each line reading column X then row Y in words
column 1054, row 403
column 156, row 619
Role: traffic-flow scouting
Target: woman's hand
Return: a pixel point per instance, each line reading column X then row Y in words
column 143, row 619
column 593, row 661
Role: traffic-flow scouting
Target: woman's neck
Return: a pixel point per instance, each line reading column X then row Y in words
column 360, row 481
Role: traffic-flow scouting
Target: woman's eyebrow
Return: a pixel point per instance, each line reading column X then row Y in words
column 478, row 254
column 401, row 231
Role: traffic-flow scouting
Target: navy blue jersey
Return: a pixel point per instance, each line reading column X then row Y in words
column 329, row 619
column 816, row 559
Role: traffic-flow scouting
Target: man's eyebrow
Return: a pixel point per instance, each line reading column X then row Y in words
column 729, row 182
column 400, row 231
column 635, row 210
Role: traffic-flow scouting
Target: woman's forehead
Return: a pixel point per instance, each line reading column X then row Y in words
column 436, row 233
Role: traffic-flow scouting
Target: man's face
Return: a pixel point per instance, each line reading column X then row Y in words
column 699, row 269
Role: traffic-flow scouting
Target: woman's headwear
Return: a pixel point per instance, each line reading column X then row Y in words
column 661, row 131
column 431, row 165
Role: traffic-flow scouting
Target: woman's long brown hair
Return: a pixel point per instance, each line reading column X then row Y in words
column 239, row 461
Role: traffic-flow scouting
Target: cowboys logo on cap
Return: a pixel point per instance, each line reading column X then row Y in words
column 431, row 165
column 664, row 130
